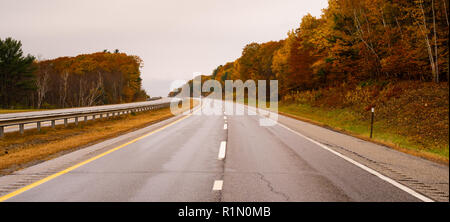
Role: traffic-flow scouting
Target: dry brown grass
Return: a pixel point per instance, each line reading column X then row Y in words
column 5, row 111
column 18, row 151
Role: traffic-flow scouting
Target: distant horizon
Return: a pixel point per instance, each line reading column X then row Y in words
column 174, row 39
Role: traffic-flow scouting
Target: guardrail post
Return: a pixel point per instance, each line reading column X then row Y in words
column 21, row 127
column 53, row 124
column 85, row 119
column 65, row 122
column 76, row 121
column 2, row 131
column 101, row 116
column 93, row 117
column 38, row 126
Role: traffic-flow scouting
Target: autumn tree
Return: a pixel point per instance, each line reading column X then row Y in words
column 352, row 42
column 42, row 84
column 92, row 79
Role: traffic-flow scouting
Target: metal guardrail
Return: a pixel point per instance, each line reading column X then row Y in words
column 52, row 116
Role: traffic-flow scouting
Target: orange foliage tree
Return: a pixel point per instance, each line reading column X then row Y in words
column 90, row 79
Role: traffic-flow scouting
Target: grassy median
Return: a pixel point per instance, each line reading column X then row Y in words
column 19, row 151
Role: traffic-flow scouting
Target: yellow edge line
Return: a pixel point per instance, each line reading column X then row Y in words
column 37, row 183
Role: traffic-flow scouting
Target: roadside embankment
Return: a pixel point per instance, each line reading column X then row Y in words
column 410, row 116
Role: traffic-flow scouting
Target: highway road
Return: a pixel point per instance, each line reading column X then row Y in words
column 209, row 158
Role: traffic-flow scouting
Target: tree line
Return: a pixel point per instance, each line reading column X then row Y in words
column 84, row 80
column 352, row 41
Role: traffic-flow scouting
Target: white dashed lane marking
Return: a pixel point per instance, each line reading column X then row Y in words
column 217, row 185
column 222, row 150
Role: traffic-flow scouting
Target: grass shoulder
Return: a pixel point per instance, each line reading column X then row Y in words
column 347, row 122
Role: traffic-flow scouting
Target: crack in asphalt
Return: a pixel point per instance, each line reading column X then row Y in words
column 272, row 189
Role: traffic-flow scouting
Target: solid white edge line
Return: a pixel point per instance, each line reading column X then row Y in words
column 225, row 126
column 222, row 150
column 217, row 185
column 371, row 171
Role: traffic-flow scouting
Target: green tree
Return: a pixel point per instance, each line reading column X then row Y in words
column 17, row 80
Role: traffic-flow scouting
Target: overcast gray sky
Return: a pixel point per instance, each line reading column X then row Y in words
column 175, row 38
